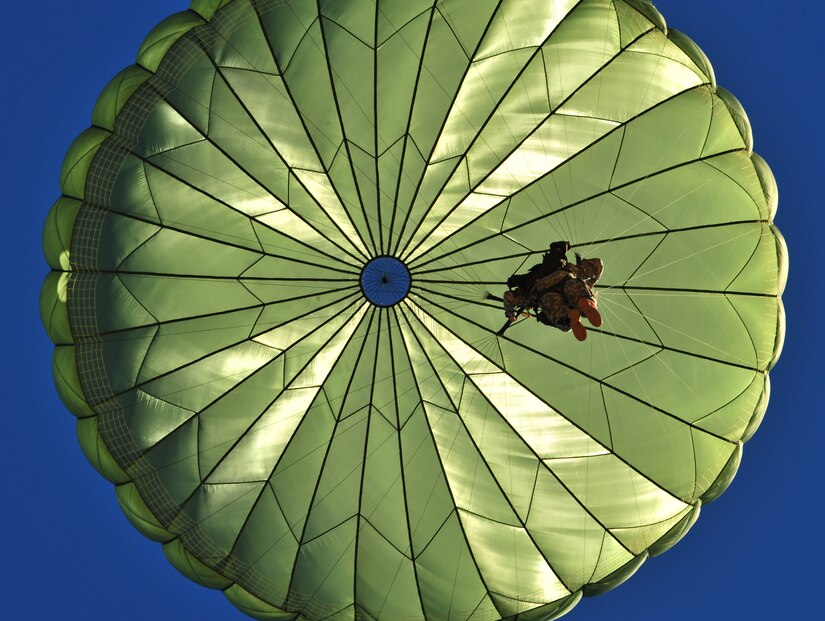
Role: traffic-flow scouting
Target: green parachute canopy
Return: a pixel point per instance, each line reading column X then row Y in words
column 320, row 448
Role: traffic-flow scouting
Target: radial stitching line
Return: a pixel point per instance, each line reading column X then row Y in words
column 368, row 422
column 332, row 85
column 600, row 382
column 567, row 366
column 482, row 457
column 539, row 49
column 164, row 224
column 158, row 324
column 529, row 253
column 222, row 349
column 539, row 459
column 426, row 160
column 219, row 71
column 495, row 108
column 252, row 219
column 259, row 416
column 581, row 201
column 454, row 509
column 401, row 453
column 460, row 158
column 407, row 138
column 301, row 540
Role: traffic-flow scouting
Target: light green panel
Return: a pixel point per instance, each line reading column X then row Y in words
column 634, row 517
column 637, row 81
column 357, row 17
column 128, row 235
column 712, row 454
column 163, row 36
column 77, row 161
column 198, row 164
column 725, row 339
column 221, row 509
column 352, row 65
column 241, row 43
column 394, row 15
column 744, row 170
column 342, row 179
column 302, row 462
column 646, row 8
column 692, row 194
column 252, row 410
column 513, row 28
column 578, row 544
column 622, row 316
column 563, row 393
column 451, row 586
column 487, row 82
column 675, row 143
column 692, row 386
column 366, row 175
column 337, row 493
column 123, row 355
column 322, row 569
column 192, row 568
column 733, row 419
column 189, row 256
column 190, row 297
column 117, row 92
column 439, row 80
column 398, row 62
column 285, row 25
column 176, row 464
column 632, row 23
column 198, row 214
column 516, row 116
column 64, row 373
column 382, row 491
column 468, row 21
column 654, row 443
column 165, row 129
column 96, row 451
column 174, row 347
column 706, row 260
column 473, row 487
column 309, row 82
column 139, row 514
column 570, row 55
column 139, row 410
column 763, row 272
column 277, row 126
column 428, row 498
column 219, row 372
column 510, row 563
column 267, row 543
column 386, row 585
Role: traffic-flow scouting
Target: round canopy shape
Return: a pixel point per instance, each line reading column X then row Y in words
column 322, row 444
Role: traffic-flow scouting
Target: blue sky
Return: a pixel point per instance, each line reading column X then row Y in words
column 71, row 554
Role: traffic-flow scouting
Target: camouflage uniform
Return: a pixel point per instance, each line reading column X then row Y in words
column 556, row 293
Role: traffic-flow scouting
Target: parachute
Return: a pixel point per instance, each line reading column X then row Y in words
column 269, row 298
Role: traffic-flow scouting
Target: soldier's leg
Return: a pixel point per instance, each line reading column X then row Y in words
column 580, row 297
column 554, row 308
column 511, row 300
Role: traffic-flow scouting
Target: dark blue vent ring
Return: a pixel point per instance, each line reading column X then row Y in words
column 385, row 281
